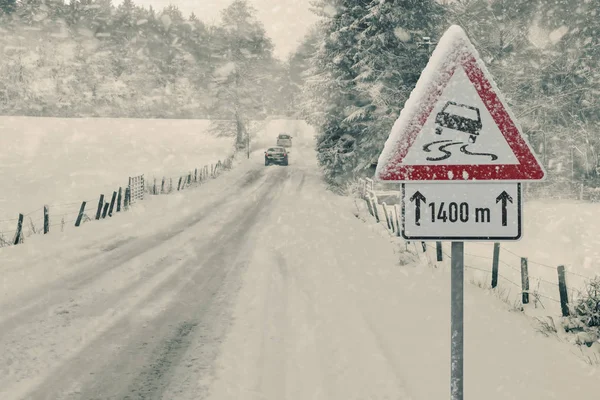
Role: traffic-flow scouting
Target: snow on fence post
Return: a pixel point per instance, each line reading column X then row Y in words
column 369, row 206
column 392, row 221
column 438, row 251
column 100, row 204
column 80, row 215
column 525, row 280
column 18, row 235
column 387, row 220
column 127, row 198
column 46, row 219
column 374, row 202
column 119, row 198
column 562, row 289
column 105, row 210
column 495, row 264
column 398, row 231
column 112, row 204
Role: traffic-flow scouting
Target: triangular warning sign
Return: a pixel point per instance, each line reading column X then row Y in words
column 455, row 125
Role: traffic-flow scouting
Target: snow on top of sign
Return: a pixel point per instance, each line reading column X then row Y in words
column 453, row 45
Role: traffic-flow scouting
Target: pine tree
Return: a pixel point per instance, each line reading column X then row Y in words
column 392, row 51
column 331, row 96
column 360, row 76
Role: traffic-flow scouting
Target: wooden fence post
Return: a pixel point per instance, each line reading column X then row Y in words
column 80, row 216
column 170, row 185
column 112, row 204
column 399, row 231
column 46, row 219
column 370, row 207
column 562, row 289
column 196, row 175
column 18, row 234
column 387, row 219
column 438, row 251
column 154, row 189
column 424, row 246
column 162, row 186
column 374, row 202
column 119, row 198
column 189, row 179
column 101, row 203
column 495, row 264
column 179, row 184
column 525, row 280
column 105, row 210
column 392, row 221
column 127, row 198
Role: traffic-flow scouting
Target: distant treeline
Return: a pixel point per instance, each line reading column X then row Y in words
column 90, row 58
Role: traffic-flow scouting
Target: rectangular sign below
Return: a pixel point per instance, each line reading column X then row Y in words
column 461, row 211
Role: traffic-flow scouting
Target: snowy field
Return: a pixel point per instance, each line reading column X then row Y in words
column 62, row 162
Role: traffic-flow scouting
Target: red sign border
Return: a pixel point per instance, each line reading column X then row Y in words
column 528, row 167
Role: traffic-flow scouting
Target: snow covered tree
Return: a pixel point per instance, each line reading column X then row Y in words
column 331, row 95
column 8, row 6
column 238, row 79
column 393, row 49
column 361, row 74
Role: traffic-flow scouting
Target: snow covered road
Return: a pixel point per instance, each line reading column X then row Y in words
column 119, row 321
column 258, row 285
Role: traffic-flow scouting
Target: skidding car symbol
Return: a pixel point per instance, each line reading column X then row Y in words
column 448, row 119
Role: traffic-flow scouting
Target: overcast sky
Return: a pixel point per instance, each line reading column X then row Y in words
column 286, row 21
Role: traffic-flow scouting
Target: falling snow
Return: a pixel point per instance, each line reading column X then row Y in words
column 151, row 246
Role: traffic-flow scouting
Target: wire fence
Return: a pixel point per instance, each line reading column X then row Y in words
column 535, row 282
column 60, row 216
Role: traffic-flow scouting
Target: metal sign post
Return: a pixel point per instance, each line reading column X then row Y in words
column 457, row 320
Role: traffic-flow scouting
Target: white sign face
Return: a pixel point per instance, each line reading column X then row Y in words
column 461, row 211
column 460, row 131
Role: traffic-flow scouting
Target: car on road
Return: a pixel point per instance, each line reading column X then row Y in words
column 284, row 140
column 277, row 155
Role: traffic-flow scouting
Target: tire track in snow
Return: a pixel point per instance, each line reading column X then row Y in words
column 273, row 355
column 102, row 264
column 156, row 355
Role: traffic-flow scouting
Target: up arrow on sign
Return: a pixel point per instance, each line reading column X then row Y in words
column 418, row 198
column 504, row 197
